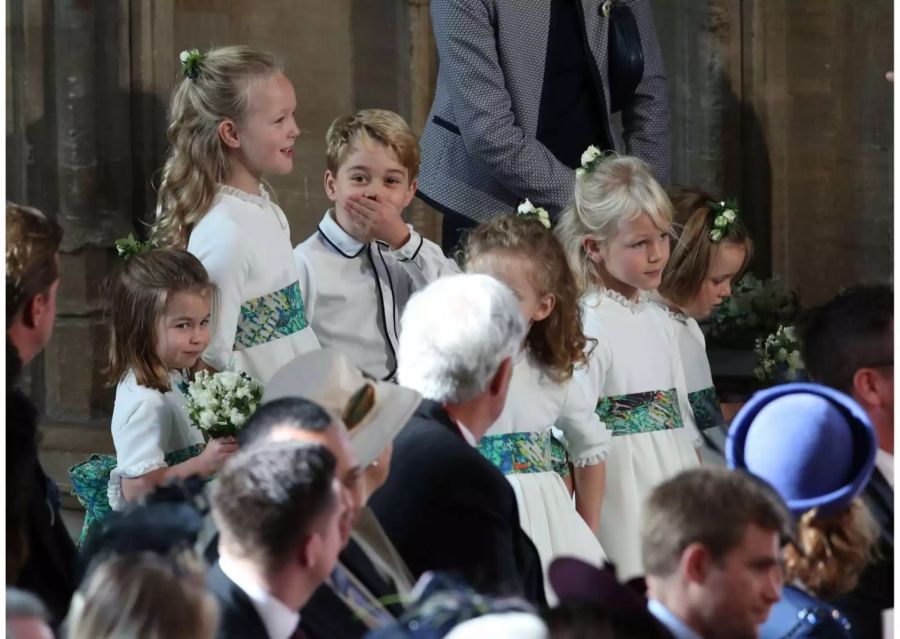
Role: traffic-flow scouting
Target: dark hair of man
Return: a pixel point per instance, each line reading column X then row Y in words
column 850, row 332
column 269, row 498
column 290, row 412
column 711, row 506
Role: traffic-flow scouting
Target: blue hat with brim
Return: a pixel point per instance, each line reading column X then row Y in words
column 813, row 444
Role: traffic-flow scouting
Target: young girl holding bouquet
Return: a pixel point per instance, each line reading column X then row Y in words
column 160, row 311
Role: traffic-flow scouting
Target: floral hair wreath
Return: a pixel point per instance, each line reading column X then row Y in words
column 591, row 157
column 190, row 63
column 528, row 210
column 726, row 213
column 129, row 247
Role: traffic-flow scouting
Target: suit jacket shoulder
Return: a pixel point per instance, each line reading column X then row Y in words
column 445, row 507
column 238, row 618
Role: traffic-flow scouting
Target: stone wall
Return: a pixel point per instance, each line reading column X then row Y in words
column 779, row 102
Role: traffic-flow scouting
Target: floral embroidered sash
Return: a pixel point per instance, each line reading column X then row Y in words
column 518, row 452
column 640, row 412
column 270, row 317
column 705, row 404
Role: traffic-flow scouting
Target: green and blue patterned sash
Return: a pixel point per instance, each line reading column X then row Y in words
column 707, row 412
column 90, row 482
column 270, row 317
column 518, row 452
column 559, row 458
column 640, row 412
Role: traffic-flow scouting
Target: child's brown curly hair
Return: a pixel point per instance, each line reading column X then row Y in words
column 558, row 341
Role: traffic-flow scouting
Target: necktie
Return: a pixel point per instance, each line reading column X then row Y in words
column 358, row 599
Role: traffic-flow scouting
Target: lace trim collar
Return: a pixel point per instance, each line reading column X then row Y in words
column 662, row 303
column 613, row 296
column 262, row 200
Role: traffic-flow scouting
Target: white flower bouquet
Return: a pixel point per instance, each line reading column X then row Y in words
column 779, row 356
column 756, row 308
column 220, row 404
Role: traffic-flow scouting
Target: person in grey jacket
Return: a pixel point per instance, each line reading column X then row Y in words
column 523, row 89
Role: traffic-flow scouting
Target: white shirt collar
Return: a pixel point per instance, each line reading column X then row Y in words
column 279, row 620
column 674, row 624
column 884, row 462
column 337, row 237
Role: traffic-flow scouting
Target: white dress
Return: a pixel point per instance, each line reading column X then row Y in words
column 518, row 443
column 259, row 322
column 701, row 391
column 150, row 430
column 355, row 293
column 635, row 377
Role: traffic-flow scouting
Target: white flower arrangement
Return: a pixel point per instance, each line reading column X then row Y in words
column 220, row 404
column 588, row 161
column 779, row 355
column 726, row 213
column 527, row 209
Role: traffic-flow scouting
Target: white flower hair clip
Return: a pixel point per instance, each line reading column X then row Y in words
column 589, row 160
column 528, row 210
column 726, row 213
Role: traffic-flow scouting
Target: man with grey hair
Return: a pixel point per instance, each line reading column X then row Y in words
column 444, row 506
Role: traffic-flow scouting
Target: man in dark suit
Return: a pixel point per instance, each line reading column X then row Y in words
column 444, row 506
column 848, row 344
column 40, row 555
column 278, row 509
column 354, row 599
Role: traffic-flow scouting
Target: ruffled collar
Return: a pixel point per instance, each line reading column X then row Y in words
column 659, row 300
column 262, row 200
column 634, row 306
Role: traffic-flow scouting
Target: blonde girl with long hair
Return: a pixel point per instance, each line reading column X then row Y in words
column 231, row 122
column 616, row 236
column 523, row 254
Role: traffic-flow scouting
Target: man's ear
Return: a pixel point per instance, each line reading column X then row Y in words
column 696, row 562
column 310, row 550
column 229, row 135
column 35, row 311
column 865, row 387
column 500, row 381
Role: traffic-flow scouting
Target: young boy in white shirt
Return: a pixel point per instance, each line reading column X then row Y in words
column 364, row 262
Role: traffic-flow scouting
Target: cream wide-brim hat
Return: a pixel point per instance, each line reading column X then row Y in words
column 325, row 376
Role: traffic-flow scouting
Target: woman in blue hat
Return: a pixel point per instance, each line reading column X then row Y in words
column 816, row 447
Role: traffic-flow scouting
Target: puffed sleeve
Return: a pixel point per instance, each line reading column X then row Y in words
column 220, row 246
column 141, row 424
column 307, row 281
column 588, row 438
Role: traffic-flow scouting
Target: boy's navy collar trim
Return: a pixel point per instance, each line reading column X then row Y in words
column 338, row 238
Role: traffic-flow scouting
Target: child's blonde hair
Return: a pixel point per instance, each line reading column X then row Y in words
column 144, row 595
column 694, row 249
column 366, row 126
column 618, row 189
column 836, row 549
column 558, row 341
column 197, row 161
column 138, row 292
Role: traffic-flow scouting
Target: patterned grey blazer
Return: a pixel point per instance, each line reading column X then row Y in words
column 480, row 156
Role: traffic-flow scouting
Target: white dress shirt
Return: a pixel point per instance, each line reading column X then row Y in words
column 671, row 621
column 884, row 462
column 279, row 620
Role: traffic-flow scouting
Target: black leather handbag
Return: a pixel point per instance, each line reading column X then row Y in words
column 626, row 57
